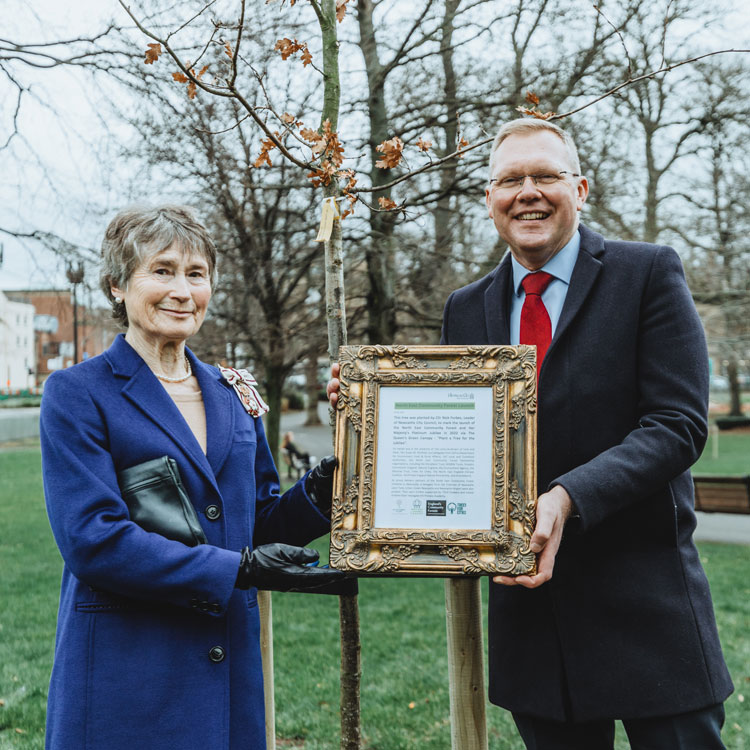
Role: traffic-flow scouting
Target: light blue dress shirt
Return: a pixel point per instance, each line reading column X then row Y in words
column 560, row 265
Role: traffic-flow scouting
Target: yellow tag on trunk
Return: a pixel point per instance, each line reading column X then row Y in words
column 329, row 213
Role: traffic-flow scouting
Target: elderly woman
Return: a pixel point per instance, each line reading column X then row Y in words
column 158, row 640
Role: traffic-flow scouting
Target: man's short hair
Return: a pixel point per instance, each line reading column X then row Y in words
column 528, row 126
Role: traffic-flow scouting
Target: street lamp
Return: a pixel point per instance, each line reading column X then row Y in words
column 75, row 277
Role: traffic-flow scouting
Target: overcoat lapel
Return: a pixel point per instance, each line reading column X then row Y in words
column 497, row 304
column 145, row 392
column 586, row 270
column 218, row 402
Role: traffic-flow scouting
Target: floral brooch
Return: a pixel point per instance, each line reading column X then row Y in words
column 245, row 386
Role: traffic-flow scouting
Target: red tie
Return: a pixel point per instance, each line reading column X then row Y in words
column 536, row 327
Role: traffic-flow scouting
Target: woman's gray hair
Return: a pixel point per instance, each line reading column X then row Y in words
column 138, row 232
column 526, row 126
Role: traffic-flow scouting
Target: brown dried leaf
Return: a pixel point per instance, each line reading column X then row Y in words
column 348, row 174
column 266, row 145
column 180, row 77
column 463, row 143
column 341, row 9
column 228, row 50
column 535, row 113
column 192, row 90
column 287, row 118
column 314, row 178
column 310, row 135
column 532, row 98
column 286, row 47
column 335, row 149
column 203, row 70
column 387, row 203
column 424, row 145
column 152, row 53
column 392, row 152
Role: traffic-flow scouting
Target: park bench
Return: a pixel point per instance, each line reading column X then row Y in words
column 722, row 494
column 292, row 463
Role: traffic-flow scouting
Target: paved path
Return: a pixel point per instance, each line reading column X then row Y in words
column 317, row 440
column 20, row 424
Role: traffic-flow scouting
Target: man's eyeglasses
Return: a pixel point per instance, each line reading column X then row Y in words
column 516, row 183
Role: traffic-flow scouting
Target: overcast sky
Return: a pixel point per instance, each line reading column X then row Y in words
column 62, row 174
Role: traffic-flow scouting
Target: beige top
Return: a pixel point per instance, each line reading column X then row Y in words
column 189, row 399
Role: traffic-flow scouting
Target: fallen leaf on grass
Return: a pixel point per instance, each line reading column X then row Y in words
column 412, row 705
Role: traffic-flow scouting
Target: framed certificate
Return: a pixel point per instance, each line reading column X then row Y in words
column 437, row 460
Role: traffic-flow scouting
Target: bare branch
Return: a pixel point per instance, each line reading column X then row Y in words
column 230, row 91
column 645, row 76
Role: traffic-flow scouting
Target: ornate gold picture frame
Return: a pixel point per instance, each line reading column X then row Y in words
column 419, row 429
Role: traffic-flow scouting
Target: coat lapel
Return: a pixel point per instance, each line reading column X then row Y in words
column 143, row 389
column 218, row 402
column 497, row 304
column 586, row 270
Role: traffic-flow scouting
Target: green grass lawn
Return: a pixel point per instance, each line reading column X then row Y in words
column 404, row 684
column 726, row 452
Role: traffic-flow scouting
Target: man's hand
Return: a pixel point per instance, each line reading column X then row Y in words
column 332, row 389
column 552, row 511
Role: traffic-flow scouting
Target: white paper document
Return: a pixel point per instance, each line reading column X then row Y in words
column 434, row 458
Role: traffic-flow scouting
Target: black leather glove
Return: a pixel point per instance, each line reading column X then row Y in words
column 283, row 567
column 319, row 484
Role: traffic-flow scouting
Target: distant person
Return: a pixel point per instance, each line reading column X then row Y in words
column 158, row 640
column 294, row 454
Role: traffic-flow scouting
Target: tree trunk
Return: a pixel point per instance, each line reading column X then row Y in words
column 311, row 390
column 379, row 251
column 272, row 421
column 336, row 319
column 735, row 399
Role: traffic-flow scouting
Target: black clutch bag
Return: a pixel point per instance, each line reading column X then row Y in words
column 157, row 501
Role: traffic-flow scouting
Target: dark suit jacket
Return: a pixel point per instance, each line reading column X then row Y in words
column 140, row 615
column 625, row 628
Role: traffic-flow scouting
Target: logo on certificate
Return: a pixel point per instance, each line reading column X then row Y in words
column 436, row 507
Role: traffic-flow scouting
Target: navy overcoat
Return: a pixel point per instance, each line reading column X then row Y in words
column 136, row 660
column 625, row 628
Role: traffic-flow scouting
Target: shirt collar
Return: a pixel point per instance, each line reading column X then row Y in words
column 560, row 265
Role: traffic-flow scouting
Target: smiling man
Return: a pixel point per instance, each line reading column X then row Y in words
column 618, row 622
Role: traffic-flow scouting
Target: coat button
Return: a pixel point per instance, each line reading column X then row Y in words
column 217, row 654
column 213, row 512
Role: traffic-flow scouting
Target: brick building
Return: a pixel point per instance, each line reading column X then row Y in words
column 54, row 329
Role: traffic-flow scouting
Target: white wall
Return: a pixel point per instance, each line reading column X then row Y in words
column 17, row 352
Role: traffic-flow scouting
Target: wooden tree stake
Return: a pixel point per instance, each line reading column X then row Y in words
column 266, row 651
column 463, row 618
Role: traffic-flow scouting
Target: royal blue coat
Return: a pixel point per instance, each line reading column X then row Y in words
column 625, row 628
column 136, row 665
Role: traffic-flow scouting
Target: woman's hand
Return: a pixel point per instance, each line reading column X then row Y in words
column 283, row 567
column 332, row 389
column 319, row 484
